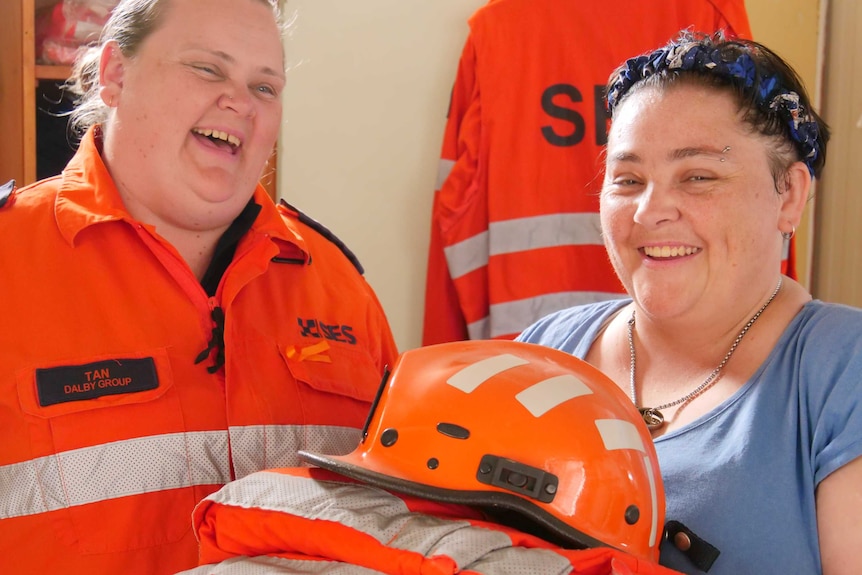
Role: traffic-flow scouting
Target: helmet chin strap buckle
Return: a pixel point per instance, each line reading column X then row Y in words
column 517, row 477
column 699, row 551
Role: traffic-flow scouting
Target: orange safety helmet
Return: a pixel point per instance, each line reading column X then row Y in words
column 515, row 427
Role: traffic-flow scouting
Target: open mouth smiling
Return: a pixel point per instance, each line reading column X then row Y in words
column 669, row 252
column 219, row 138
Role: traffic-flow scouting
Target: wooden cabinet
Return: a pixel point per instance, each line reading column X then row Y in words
column 19, row 80
column 18, row 77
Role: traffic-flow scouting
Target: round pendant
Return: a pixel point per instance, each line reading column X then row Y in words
column 652, row 417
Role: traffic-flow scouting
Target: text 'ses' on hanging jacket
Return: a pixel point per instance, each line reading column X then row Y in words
column 515, row 230
column 305, row 520
column 111, row 432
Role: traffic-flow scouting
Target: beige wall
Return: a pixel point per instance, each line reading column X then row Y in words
column 837, row 262
column 790, row 27
column 365, row 109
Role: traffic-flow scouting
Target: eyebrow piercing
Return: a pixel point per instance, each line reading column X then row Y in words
column 726, row 149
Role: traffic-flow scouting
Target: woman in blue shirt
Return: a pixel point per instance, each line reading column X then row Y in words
column 751, row 388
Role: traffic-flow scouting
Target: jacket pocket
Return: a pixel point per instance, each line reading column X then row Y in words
column 111, row 455
column 342, row 370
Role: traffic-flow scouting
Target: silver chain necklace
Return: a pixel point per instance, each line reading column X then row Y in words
column 653, row 417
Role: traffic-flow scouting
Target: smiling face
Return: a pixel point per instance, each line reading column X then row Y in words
column 689, row 209
column 197, row 112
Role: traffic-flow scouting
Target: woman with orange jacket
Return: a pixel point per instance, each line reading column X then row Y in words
column 166, row 327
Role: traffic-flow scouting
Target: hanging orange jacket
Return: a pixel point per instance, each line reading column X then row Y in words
column 111, row 430
column 305, row 516
column 515, row 231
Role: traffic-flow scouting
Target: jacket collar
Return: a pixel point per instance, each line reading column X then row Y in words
column 88, row 196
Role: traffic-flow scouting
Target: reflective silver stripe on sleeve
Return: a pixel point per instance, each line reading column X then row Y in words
column 477, row 373
column 523, row 234
column 467, row 255
column 257, row 447
column 536, row 232
column 111, row 470
column 480, row 329
column 264, row 565
column 444, row 168
column 545, row 395
column 515, row 316
column 388, row 520
column 519, row 560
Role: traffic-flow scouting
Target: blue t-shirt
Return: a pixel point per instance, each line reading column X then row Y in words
column 743, row 477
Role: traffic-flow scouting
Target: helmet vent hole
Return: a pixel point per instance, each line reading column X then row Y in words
column 389, row 437
column 433, row 463
column 632, row 514
column 452, row 430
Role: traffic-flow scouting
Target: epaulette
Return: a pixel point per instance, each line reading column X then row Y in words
column 326, row 233
column 6, row 192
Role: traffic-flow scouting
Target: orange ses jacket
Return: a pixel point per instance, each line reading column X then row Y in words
column 297, row 521
column 515, row 230
column 111, row 433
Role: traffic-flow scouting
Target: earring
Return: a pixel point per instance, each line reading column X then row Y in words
column 790, row 234
column 106, row 96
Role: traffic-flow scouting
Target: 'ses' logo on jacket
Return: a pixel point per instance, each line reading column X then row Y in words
column 334, row 332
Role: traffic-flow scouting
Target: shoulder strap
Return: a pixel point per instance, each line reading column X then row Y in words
column 326, row 233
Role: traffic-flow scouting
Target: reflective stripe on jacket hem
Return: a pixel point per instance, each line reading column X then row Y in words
column 157, row 463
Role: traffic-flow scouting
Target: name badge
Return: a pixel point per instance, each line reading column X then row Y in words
column 92, row 380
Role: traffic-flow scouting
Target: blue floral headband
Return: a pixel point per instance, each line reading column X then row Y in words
column 769, row 93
